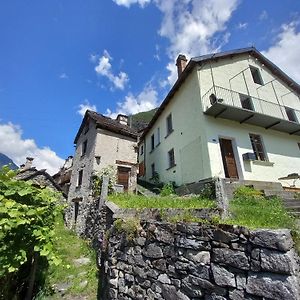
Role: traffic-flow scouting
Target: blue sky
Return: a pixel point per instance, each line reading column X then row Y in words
column 59, row 57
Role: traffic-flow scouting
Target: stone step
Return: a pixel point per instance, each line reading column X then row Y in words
column 145, row 192
column 296, row 214
column 291, row 203
column 293, row 209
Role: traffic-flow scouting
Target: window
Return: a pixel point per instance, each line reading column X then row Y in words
column 152, row 142
column 256, row 75
column 142, row 150
column 158, row 136
column 290, row 114
column 76, row 210
column 84, row 147
column 246, row 102
column 258, row 147
column 171, row 157
column 169, row 124
column 79, row 180
column 299, row 146
column 153, row 170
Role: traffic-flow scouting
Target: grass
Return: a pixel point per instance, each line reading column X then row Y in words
column 139, row 202
column 258, row 212
column 71, row 247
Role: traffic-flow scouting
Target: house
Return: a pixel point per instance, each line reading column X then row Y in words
column 63, row 176
column 232, row 115
column 39, row 178
column 101, row 143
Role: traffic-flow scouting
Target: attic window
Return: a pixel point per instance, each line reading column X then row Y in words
column 152, row 142
column 256, row 75
column 84, row 147
column 169, row 124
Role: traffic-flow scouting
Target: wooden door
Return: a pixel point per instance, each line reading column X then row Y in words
column 228, row 158
column 123, row 176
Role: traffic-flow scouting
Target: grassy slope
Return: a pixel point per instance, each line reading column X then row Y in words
column 71, row 247
column 136, row 201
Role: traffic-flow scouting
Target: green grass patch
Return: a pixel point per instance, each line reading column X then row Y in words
column 138, row 202
column 249, row 208
column 70, row 247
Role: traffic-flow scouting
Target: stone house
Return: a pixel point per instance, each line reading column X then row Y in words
column 63, row 176
column 232, row 115
column 101, row 143
column 39, row 178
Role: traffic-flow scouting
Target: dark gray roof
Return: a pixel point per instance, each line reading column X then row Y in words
column 106, row 123
column 199, row 60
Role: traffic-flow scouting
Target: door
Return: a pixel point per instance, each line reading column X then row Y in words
column 228, row 158
column 123, row 176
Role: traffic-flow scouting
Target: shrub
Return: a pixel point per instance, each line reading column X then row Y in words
column 129, row 227
column 167, row 189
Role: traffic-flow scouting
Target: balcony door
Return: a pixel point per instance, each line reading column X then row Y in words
column 229, row 162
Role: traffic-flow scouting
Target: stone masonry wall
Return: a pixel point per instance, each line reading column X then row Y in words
column 199, row 261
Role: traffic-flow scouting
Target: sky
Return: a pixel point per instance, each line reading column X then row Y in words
column 61, row 57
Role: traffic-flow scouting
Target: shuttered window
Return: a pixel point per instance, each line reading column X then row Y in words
column 257, row 146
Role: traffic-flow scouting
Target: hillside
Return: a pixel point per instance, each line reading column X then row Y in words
column 5, row 160
column 140, row 120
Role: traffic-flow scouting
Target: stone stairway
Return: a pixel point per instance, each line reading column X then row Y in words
column 145, row 192
column 291, row 200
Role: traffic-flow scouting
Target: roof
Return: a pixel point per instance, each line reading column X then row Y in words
column 201, row 60
column 106, row 123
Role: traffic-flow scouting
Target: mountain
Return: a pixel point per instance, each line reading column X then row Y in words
column 5, row 160
column 140, row 120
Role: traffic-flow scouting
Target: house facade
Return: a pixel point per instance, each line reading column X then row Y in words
column 229, row 115
column 101, row 143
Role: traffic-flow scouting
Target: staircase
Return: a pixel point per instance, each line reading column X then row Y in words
column 291, row 200
column 145, row 192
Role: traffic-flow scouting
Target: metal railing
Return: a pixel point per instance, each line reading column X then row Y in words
column 233, row 98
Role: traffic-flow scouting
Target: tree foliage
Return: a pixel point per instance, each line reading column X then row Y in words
column 27, row 216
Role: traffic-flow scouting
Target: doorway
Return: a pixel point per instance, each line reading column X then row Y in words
column 228, row 158
column 123, row 177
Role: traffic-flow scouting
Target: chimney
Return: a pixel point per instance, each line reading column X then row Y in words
column 181, row 62
column 28, row 163
column 122, row 119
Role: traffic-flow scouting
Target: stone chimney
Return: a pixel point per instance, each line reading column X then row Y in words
column 28, row 163
column 181, row 63
column 122, row 119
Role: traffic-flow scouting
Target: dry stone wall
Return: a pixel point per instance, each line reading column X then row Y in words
column 199, row 261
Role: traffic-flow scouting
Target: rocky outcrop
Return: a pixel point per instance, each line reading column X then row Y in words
column 199, row 261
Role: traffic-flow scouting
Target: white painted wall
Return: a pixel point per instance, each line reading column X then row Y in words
column 196, row 136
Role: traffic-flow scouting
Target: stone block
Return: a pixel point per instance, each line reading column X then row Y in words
column 222, row 276
column 191, row 243
column 274, row 239
column 202, row 257
column 272, row 286
column 229, row 257
column 153, row 251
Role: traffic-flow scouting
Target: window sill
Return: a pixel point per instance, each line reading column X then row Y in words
column 169, row 133
column 171, row 167
column 263, row 163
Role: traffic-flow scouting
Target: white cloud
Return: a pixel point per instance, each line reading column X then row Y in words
column 242, row 25
column 132, row 104
column 285, row 51
column 83, row 107
column 104, row 68
column 263, row 15
column 128, row 3
column 63, row 76
column 14, row 146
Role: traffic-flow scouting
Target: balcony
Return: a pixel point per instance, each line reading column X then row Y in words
column 228, row 104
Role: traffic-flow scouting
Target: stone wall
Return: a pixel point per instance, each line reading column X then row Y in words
column 198, row 261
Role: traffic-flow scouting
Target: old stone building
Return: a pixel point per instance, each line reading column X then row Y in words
column 101, row 143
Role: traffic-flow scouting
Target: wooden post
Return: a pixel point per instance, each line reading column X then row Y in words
column 104, row 191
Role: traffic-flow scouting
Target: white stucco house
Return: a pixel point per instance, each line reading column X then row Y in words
column 101, row 142
column 229, row 115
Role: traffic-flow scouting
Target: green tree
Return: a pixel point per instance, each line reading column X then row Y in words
column 27, row 218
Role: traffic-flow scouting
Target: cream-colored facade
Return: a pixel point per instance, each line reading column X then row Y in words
column 200, row 121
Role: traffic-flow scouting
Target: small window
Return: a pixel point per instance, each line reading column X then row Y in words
column 76, row 210
column 291, row 114
column 152, row 170
column 169, row 124
column 257, row 146
column 256, row 75
column 158, row 136
column 152, row 142
column 299, row 146
column 84, row 147
column 79, row 180
column 171, row 157
column 142, row 150
column 246, row 102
